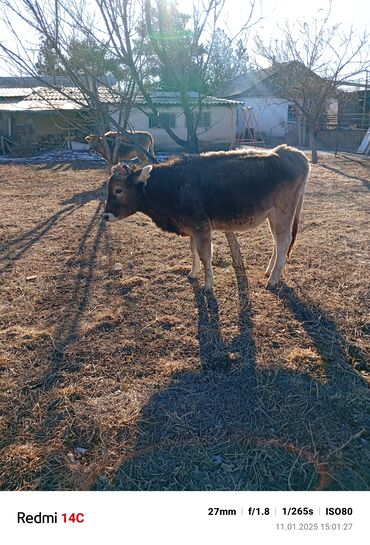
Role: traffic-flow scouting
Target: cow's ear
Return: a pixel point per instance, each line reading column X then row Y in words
column 144, row 174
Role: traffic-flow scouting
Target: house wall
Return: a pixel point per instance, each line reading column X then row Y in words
column 271, row 115
column 30, row 127
column 3, row 123
column 32, row 130
column 40, row 123
column 220, row 134
column 46, row 122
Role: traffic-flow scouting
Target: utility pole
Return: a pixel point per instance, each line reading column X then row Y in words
column 364, row 105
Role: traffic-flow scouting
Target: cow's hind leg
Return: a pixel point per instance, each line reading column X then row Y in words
column 142, row 157
column 282, row 232
column 204, row 248
column 196, row 261
column 273, row 256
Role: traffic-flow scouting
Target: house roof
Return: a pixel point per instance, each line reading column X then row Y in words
column 14, row 92
column 41, row 99
column 44, row 99
column 241, row 84
column 265, row 81
column 172, row 98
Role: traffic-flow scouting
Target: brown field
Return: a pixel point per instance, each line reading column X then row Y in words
column 134, row 379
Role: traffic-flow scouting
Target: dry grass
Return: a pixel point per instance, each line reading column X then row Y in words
column 134, row 379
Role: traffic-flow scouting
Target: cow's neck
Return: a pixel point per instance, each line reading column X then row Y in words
column 162, row 217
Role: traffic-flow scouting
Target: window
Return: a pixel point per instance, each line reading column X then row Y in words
column 204, row 119
column 292, row 114
column 155, row 120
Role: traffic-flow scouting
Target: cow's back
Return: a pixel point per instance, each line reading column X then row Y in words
column 224, row 185
column 142, row 137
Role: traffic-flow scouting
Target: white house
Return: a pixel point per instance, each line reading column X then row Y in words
column 272, row 113
column 36, row 116
column 275, row 116
column 217, row 123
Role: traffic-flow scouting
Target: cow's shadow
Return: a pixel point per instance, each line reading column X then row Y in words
column 234, row 426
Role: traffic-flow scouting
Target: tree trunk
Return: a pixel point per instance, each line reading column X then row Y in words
column 193, row 144
column 299, row 131
column 313, row 145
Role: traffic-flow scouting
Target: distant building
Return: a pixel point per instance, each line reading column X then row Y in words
column 276, row 117
column 217, row 123
column 34, row 116
column 354, row 109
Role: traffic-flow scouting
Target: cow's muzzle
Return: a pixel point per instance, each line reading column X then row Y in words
column 108, row 216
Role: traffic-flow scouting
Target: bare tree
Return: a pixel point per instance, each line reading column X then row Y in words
column 124, row 28
column 61, row 23
column 180, row 54
column 312, row 60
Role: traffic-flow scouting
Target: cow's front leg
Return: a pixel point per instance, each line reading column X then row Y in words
column 196, row 261
column 204, row 247
column 272, row 261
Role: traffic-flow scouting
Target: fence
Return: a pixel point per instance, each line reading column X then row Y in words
column 347, row 121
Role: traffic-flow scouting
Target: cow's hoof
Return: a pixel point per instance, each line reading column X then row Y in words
column 207, row 288
column 272, row 286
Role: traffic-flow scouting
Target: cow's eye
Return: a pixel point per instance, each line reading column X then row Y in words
column 118, row 191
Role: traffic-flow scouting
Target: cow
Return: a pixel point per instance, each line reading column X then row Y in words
column 127, row 148
column 228, row 191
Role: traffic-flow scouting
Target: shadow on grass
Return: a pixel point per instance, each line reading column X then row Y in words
column 83, row 164
column 232, row 426
column 338, row 354
column 87, row 196
column 14, row 249
column 352, row 159
column 66, row 334
column 365, row 182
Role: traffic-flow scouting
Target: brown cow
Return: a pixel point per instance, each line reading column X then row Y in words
column 127, row 148
column 226, row 191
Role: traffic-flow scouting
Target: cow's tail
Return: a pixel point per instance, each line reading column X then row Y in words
column 151, row 147
column 296, row 220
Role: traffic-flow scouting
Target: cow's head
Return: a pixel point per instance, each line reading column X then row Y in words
column 125, row 190
column 91, row 138
column 95, row 142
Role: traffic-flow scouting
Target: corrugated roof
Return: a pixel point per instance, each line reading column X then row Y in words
column 13, row 92
column 172, row 98
column 70, row 98
column 69, row 95
column 39, row 106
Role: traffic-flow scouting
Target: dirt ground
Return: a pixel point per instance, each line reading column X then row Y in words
column 118, row 373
